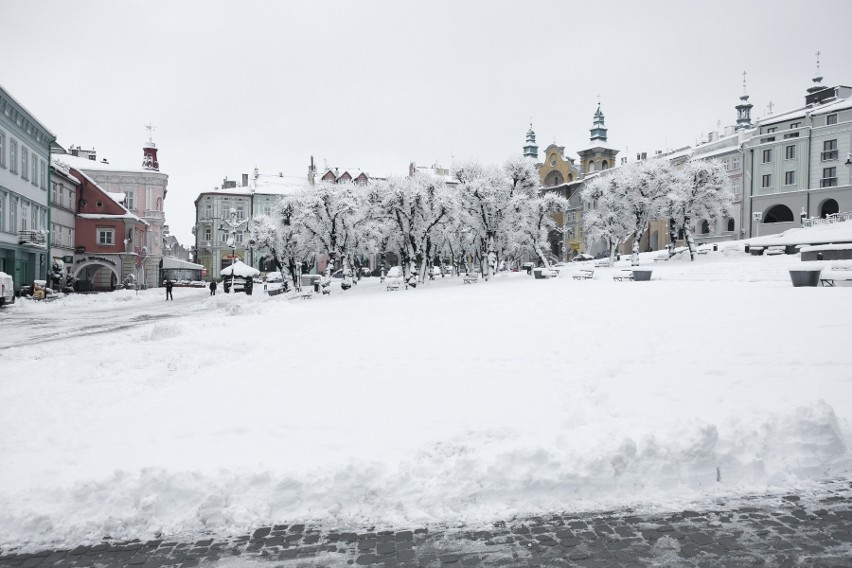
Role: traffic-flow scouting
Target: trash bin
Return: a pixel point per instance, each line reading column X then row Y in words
column 746, row 249
column 316, row 285
column 715, row 248
column 805, row 277
column 641, row 274
column 539, row 273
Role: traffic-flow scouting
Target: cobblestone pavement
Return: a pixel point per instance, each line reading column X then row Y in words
column 784, row 530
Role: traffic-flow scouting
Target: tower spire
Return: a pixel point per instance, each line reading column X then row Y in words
column 817, row 86
column 149, row 151
column 598, row 129
column 531, row 149
column 744, row 109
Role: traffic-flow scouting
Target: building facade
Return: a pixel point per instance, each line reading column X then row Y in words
column 24, row 196
column 797, row 163
column 142, row 191
column 64, row 189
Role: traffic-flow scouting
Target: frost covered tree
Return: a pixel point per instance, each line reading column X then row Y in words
column 537, row 222
column 605, row 216
column 329, row 220
column 491, row 206
column 704, row 191
column 281, row 237
column 413, row 210
column 628, row 200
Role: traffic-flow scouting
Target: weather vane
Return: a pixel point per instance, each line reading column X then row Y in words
column 744, row 82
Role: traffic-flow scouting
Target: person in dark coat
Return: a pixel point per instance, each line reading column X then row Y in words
column 169, row 286
column 212, row 287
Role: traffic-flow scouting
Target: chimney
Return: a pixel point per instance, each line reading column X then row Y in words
column 245, row 180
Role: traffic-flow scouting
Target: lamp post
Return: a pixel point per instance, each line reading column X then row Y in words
column 232, row 240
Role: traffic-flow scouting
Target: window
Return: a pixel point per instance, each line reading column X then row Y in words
column 2, row 210
column 13, row 156
column 238, row 238
column 34, row 169
column 771, row 130
column 2, row 149
column 829, row 150
column 13, row 213
column 736, row 163
column 789, row 178
column 790, row 152
column 131, row 200
column 208, row 211
column 34, row 218
column 829, row 177
column 794, row 125
column 43, row 178
column 769, row 139
column 25, row 161
column 24, row 215
column 731, row 225
column 791, row 135
column 767, row 156
column 767, row 180
column 106, row 236
column 208, row 234
column 241, row 213
column 705, row 227
column 55, row 194
column 831, row 119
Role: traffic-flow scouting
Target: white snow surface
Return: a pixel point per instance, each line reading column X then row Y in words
column 444, row 404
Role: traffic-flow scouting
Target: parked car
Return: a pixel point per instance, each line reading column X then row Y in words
column 7, row 289
column 582, row 257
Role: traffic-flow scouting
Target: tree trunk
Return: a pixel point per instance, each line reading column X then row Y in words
column 634, row 258
column 690, row 242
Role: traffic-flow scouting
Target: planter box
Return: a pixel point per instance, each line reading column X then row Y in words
column 805, row 277
column 640, row 275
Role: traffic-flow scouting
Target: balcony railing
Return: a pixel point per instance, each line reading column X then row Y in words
column 32, row 238
column 153, row 214
column 828, row 219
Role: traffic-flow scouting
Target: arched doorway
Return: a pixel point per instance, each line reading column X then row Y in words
column 778, row 214
column 828, row 207
column 95, row 276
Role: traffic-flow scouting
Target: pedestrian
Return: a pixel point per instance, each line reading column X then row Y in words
column 169, row 286
column 212, row 287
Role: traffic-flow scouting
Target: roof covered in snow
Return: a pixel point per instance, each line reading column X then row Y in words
column 82, row 163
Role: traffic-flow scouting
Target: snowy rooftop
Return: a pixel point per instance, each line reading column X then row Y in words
column 82, row 163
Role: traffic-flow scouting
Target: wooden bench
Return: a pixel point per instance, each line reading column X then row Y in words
column 662, row 257
column 603, row 263
column 584, row 274
column 394, row 285
column 623, row 276
column 471, row 278
column 306, row 295
column 836, row 273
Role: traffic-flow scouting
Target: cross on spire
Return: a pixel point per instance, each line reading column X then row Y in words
column 817, row 55
column 151, row 129
column 744, row 82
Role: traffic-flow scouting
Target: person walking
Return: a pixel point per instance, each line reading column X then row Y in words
column 169, row 286
column 212, row 287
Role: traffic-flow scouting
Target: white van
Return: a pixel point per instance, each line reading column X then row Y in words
column 7, row 289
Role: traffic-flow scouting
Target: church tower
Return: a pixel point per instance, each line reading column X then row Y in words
column 530, row 149
column 744, row 109
column 149, row 151
column 599, row 155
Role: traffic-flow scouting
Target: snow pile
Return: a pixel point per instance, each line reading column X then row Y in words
column 444, row 404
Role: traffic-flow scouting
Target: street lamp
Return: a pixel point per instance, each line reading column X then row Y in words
column 232, row 240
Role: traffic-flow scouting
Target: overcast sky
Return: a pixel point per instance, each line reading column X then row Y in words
column 230, row 85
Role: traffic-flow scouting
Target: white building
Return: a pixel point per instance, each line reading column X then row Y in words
column 24, row 198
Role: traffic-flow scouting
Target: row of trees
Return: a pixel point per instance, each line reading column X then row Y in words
column 621, row 204
column 493, row 214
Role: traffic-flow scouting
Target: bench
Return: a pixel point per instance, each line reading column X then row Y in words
column 623, row 276
column 836, row 273
column 702, row 251
column 604, row 263
column 394, row 285
column 306, row 295
column 471, row 279
column 662, row 257
column 584, row 274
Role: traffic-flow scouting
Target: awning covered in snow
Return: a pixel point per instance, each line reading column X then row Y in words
column 172, row 262
column 239, row 268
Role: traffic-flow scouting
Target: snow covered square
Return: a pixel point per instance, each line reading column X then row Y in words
column 441, row 405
